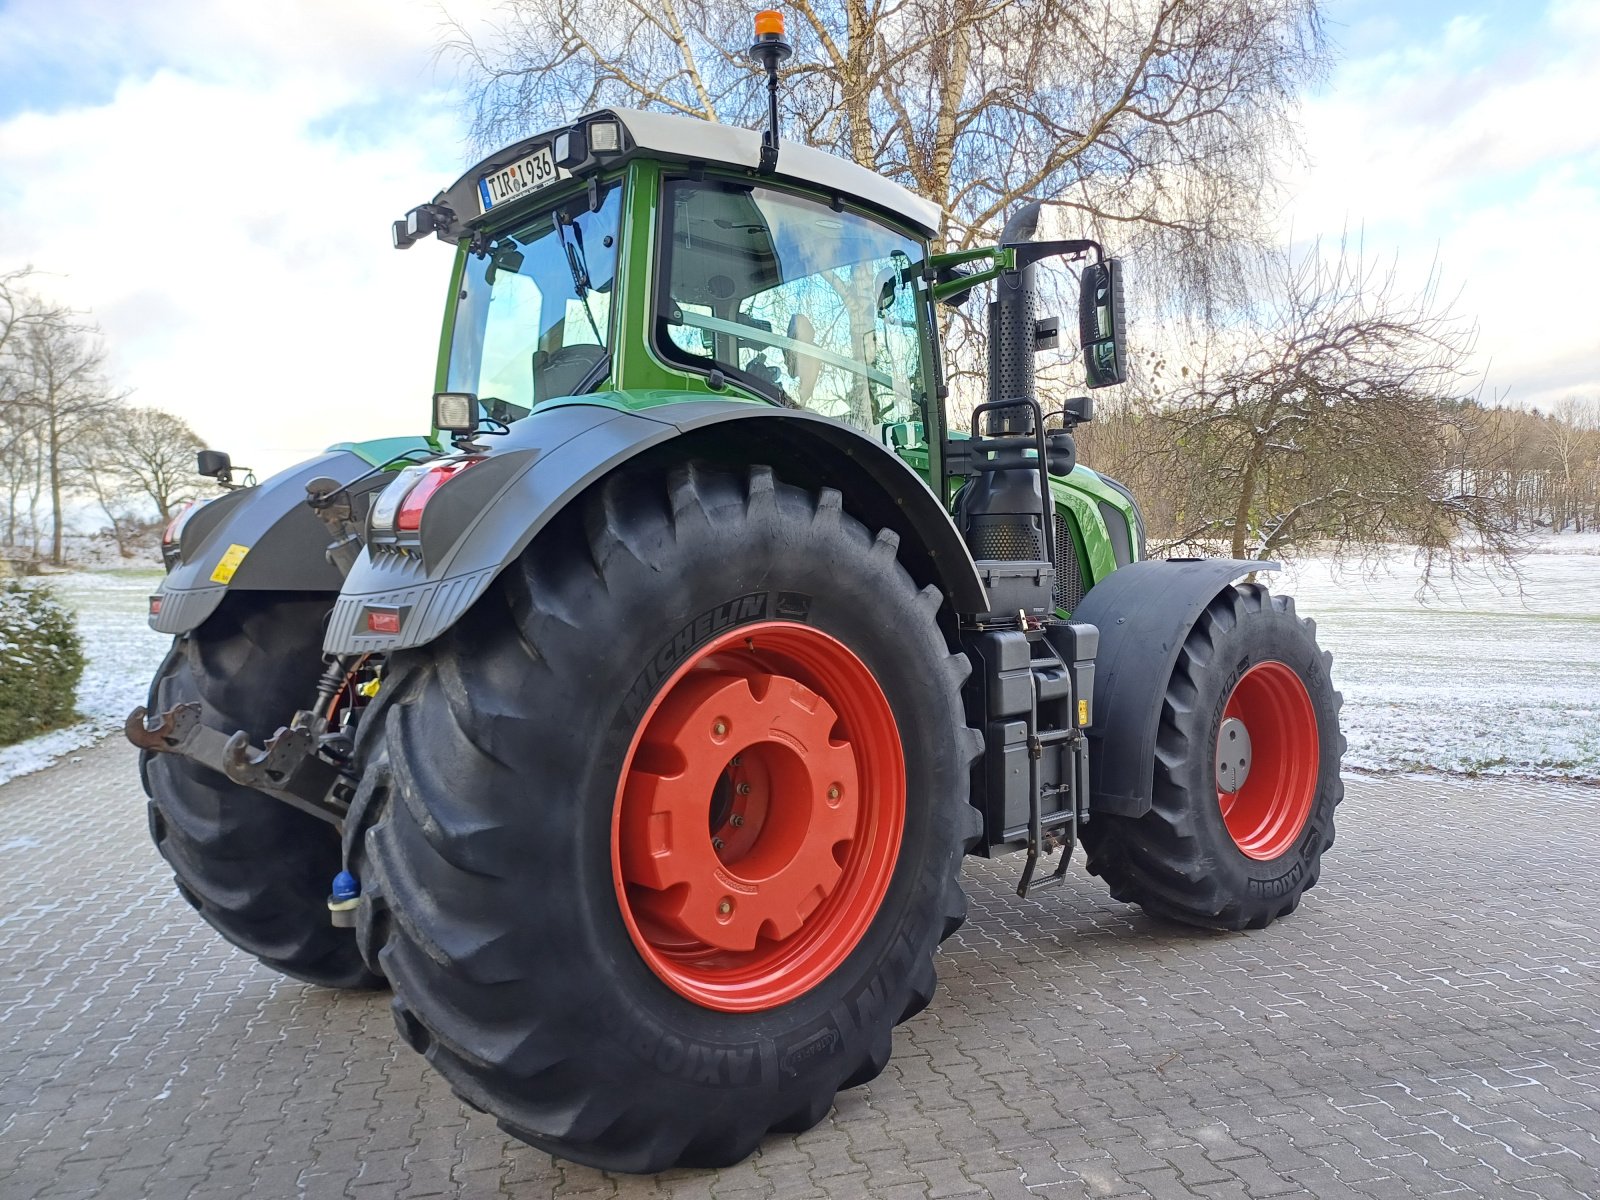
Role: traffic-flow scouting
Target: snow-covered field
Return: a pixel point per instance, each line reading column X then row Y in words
column 123, row 653
column 1475, row 680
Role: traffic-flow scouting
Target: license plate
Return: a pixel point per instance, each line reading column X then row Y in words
column 525, row 175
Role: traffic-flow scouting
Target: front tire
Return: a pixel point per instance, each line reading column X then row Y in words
column 256, row 869
column 1246, row 773
column 578, row 930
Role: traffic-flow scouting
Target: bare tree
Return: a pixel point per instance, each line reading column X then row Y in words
column 137, row 464
column 63, row 398
column 22, row 313
column 1572, row 444
column 1160, row 120
column 1322, row 422
column 151, row 453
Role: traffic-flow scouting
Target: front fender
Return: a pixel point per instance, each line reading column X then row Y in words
column 261, row 538
column 1144, row 611
column 482, row 519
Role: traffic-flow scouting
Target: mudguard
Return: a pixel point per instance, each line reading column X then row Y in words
column 261, row 538
column 1144, row 612
column 480, row 520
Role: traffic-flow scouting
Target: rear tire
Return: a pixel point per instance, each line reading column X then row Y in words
column 527, row 965
column 1248, row 656
column 256, row 869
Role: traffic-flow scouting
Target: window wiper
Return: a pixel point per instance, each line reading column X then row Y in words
column 594, row 377
column 578, row 265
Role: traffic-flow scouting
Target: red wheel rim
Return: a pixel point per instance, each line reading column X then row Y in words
column 758, row 817
column 1267, row 812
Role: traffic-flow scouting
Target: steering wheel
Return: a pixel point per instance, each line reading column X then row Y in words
column 559, row 372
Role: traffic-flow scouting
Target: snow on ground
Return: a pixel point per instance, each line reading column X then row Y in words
column 1474, row 680
column 123, row 653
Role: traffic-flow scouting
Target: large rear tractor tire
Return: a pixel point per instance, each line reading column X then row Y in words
column 661, row 838
column 1246, row 773
column 256, row 869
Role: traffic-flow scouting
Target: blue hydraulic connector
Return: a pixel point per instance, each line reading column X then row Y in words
column 345, row 899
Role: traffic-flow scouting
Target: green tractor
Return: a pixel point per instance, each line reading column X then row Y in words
column 640, row 716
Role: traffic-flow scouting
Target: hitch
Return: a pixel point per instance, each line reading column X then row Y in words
column 287, row 768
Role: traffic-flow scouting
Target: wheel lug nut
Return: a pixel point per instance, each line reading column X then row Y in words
column 736, row 820
column 725, row 907
column 743, row 789
column 833, row 792
column 735, row 760
column 716, row 843
column 720, row 729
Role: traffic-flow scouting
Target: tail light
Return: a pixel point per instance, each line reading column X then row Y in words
column 399, row 506
column 173, row 534
column 416, row 499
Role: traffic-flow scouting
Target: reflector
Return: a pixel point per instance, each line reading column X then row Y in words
column 379, row 621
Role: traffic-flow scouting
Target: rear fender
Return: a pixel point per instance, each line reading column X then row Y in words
column 481, row 520
column 261, row 538
column 1144, row 611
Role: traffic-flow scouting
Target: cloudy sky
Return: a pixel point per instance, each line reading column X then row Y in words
column 215, row 180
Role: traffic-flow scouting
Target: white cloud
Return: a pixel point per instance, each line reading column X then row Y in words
column 226, row 214
column 1478, row 147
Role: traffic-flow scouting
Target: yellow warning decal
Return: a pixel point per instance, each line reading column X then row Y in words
column 1083, row 712
column 229, row 563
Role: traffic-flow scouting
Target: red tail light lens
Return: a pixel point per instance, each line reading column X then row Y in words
column 174, row 531
column 383, row 621
column 410, row 515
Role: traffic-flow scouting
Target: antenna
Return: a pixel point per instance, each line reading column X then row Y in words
column 770, row 48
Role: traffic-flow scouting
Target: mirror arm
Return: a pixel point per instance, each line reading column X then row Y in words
column 1001, row 259
column 1028, row 253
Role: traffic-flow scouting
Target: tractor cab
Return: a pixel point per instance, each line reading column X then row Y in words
column 632, row 253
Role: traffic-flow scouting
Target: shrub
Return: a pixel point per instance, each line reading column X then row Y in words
column 41, row 661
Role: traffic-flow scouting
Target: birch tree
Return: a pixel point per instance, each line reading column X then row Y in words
column 1153, row 124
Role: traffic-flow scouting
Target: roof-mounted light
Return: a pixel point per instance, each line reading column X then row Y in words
column 572, row 148
column 419, row 223
column 605, row 137
column 569, row 149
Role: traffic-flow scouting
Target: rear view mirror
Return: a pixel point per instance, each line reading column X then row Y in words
column 1101, row 326
column 214, row 463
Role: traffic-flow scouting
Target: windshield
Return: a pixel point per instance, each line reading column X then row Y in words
column 814, row 308
column 533, row 320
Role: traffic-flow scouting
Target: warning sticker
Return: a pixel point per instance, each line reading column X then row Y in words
column 1083, row 712
column 229, row 563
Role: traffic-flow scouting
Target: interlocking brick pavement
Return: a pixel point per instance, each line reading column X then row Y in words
column 1428, row 1025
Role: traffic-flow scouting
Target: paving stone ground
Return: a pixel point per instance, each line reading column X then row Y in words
column 1427, row 1025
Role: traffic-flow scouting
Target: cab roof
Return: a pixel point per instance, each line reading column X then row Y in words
column 696, row 142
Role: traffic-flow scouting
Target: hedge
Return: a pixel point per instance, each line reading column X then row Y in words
column 41, row 661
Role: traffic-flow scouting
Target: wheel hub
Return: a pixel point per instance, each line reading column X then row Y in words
column 1233, row 755
column 1267, row 760
column 790, row 799
column 758, row 816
